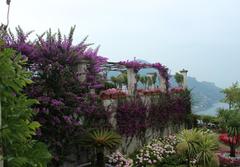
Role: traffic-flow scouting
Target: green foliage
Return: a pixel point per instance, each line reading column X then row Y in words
column 229, row 118
column 230, row 122
column 173, row 161
column 206, row 150
column 120, row 80
column 18, row 129
column 232, row 96
column 100, row 140
column 178, row 78
column 109, row 85
column 198, row 146
column 192, row 120
column 209, row 119
column 148, row 81
column 187, row 142
column 144, row 80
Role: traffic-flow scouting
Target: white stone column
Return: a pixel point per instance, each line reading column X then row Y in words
column 163, row 85
column 184, row 73
column 82, row 70
column 110, row 106
column 131, row 75
column 92, row 91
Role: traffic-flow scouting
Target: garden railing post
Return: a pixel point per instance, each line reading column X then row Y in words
column 163, row 85
column 131, row 75
column 82, row 70
column 110, row 106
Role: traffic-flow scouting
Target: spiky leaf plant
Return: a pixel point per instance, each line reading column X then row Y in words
column 101, row 140
column 199, row 146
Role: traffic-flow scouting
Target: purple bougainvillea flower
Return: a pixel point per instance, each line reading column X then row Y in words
column 56, row 103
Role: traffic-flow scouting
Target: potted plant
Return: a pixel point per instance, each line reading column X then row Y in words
column 230, row 124
column 229, row 120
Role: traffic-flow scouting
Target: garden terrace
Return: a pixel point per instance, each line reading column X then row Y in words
column 68, row 83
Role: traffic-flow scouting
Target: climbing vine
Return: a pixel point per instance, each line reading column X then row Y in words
column 66, row 107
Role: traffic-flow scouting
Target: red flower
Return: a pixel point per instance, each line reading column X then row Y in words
column 229, row 140
column 112, row 94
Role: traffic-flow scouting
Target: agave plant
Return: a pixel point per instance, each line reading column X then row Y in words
column 101, row 140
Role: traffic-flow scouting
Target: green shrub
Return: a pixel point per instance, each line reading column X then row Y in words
column 209, row 119
column 198, row 146
column 101, row 140
column 179, row 78
column 18, row 129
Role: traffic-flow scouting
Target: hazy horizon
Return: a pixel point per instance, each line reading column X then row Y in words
column 201, row 36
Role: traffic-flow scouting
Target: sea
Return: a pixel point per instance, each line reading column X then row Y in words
column 212, row 111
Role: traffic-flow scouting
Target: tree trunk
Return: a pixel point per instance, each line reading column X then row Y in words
column 100, row 158
column 232, row 151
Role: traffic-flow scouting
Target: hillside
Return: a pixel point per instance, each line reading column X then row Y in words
column 205, row 94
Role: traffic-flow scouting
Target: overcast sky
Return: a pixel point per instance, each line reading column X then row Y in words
column 202, row 36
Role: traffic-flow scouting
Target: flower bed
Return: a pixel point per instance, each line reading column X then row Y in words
column 149, row 91
column 116, row 159
column 156, row 151
column 229, row 140
column 225, row 159
column 177, row 90
column 151, row 154
column 112, row 94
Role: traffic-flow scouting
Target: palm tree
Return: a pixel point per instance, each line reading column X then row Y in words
column 179, row 79
column 232, row 96
column 229, row 120
column 122, row 79
column 144, row 80
column 114, row 80
column 101, row 140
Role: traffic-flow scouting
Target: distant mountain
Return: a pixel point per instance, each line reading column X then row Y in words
column 204, row 94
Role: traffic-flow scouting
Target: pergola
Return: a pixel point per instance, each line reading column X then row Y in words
column 131, row 74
